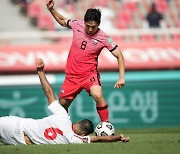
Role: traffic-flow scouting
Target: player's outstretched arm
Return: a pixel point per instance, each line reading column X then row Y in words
column 109, row 138
column 44, row 82
column 59, row 18
column 121, row 64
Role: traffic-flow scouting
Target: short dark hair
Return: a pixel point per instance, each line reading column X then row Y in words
column 93, row 15
column 86, row 126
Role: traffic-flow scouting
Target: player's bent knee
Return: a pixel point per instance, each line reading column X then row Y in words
column 97, row 96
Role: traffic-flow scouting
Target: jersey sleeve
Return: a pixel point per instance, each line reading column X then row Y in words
column 80, row 139
column 110, row 44
column 56, row 108
column 72, row 23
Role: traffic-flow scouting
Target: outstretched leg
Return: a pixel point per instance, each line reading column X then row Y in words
column 101, row 105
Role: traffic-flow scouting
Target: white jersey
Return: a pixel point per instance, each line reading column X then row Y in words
column 54, row 129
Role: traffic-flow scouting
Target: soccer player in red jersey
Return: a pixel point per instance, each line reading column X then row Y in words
column 81, row 68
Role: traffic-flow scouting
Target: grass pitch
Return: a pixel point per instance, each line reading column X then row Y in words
column 143, row 141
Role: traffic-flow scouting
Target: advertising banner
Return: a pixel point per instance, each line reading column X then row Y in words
column 143, row 103
column 138, row 56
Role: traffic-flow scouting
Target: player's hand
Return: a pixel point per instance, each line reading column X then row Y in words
column 50, row 4
column 39, row 65
column 123, row 139
column 120, row 83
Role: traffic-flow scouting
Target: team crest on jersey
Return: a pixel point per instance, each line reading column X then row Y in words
column 95, row 42
column 110, row 40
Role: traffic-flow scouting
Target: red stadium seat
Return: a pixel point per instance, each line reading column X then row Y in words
column 120, row 24
column 118, row 38
column 45, row 22
column 177, row 4
column 161, row 5
column 34, row 9
column 130, row 6
column 176, row 37
column 178, row 23
column 72, row 8
column 125, row 16
column 147, row 37
column 103, row 3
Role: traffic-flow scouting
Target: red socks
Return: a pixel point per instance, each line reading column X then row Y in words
column 103, row 112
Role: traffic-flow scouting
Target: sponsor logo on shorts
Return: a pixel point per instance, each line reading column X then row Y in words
column 62, row 91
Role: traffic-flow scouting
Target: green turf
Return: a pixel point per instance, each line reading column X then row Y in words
column 143, row 141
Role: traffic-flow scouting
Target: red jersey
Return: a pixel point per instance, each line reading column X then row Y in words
column 85, row 49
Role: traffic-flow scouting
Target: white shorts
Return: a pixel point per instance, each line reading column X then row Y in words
column 11, row 131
